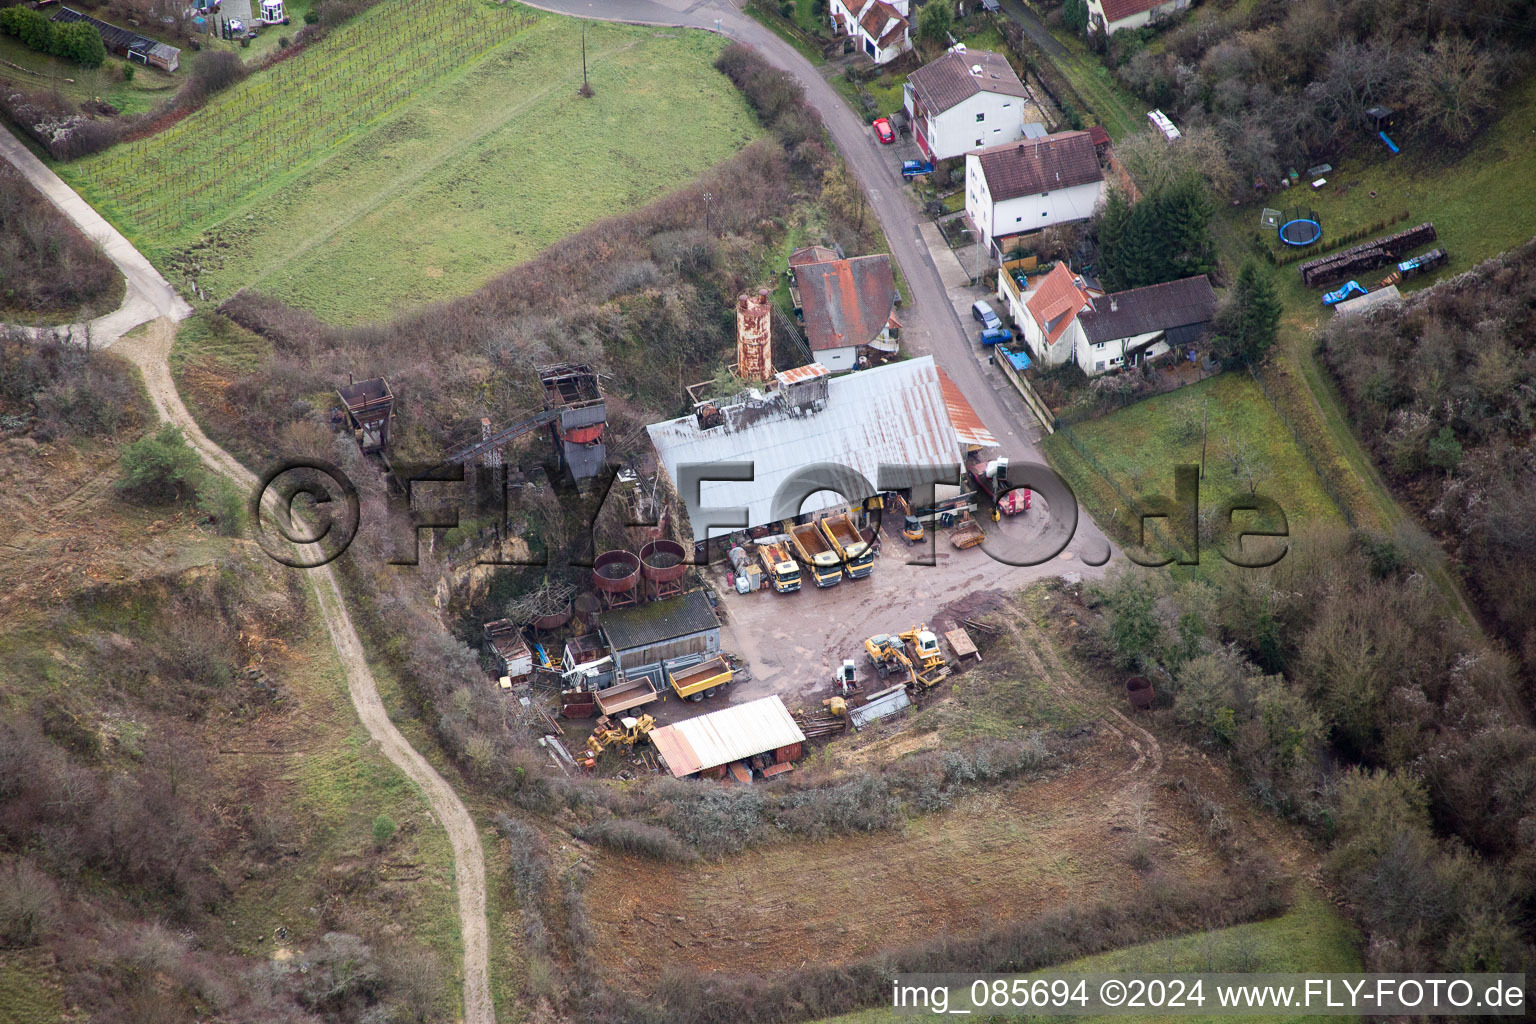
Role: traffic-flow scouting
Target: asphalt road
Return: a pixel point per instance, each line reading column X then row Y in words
column 929, row 322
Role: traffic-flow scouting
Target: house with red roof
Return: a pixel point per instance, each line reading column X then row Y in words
column 1110, row 16
column 1067, row 321
column 881, row 28
column 849, row 309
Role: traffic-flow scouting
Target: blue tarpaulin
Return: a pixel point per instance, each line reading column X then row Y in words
column 1018, row 360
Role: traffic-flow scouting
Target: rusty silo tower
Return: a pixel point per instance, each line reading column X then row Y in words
column 754, row 340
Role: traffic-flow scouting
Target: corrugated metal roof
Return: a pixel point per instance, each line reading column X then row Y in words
column 893, row 414
column 969, row 430
column 808, row 372
column 1362, row 303
column 731, row 734
column 846, row 302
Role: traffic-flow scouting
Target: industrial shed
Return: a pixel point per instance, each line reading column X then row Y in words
column 809, row 427
column 125, row 43
column 708, row 744
column 650, row 638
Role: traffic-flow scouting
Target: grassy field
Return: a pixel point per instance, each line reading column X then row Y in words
column 1138, row 447
column 427, row 184
column 1120, row 113
column 1309, row 937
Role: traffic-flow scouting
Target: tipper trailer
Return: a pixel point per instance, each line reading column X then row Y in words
column 702, row 680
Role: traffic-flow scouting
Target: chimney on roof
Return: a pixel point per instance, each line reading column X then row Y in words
column 1114, row 305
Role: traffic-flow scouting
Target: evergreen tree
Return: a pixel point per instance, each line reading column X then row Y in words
column 934, row 22
column 1074, row 16
column 1247, row 325
column 1163, row 237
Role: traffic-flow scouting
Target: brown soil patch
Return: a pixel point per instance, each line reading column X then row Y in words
column 995, row 856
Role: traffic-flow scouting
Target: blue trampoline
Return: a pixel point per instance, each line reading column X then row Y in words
column 1300, row 227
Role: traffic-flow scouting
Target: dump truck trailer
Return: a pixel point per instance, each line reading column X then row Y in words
column 625, row 694
column 782, row 569
column 817, row 553
column 858, row 556
column 702, row 680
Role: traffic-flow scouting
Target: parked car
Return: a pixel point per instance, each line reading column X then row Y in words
column 1349, row 290
column 981, row 311
column 912, row 168
column 995, row 336
column 883, row 131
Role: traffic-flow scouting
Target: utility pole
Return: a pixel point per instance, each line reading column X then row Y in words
column 707, row 198
column 586, row 88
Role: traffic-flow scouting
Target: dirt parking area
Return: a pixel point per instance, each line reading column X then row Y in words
column 793, row 642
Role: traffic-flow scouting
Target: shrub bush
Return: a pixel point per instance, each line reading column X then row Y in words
column 161, row 467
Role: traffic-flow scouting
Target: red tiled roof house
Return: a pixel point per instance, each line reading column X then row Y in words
column 1110, row 16
column 881, row 28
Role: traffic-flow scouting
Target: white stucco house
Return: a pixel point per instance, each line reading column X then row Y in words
column 965, row 100
column 1031, row 184
column 881, row 28
column 1066, row 321
column 1110, row 16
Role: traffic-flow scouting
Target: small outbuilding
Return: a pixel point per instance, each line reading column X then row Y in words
column 760, row 731
column 126, row 44
column 652, row 638
column 1368, row 301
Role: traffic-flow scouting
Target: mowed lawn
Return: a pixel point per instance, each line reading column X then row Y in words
column 1137, row 448
column 1308, row 938
column 491, row 164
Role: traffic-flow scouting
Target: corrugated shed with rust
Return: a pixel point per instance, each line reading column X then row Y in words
column 720, row 737
column 895, row 415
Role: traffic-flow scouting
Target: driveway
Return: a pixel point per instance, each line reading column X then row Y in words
column 1030, row 22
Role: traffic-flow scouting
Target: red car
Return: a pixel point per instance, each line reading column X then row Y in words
column 883, row 129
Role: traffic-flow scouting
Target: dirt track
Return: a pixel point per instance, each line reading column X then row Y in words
column 148, row 350
column 147, row 298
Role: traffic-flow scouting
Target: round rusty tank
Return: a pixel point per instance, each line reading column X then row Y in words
column 616, row 572
column 662, row 561
column 554, row 620
column 1138, row 690
column 587, row 607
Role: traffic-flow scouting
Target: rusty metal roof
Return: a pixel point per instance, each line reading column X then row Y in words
column 969, row 430
column 731, row 734
column 846, row 302
column 811, row 254
column 800, row 373
column 953, row 79
column 896, row 415
column 1030, row 167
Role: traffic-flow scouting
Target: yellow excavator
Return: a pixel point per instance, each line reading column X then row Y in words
column 887, row 653
column 626, row 733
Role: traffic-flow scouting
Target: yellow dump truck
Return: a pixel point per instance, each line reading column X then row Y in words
column 780, row 565
column 857, row 553
column 702, row 680
column 817, row 553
